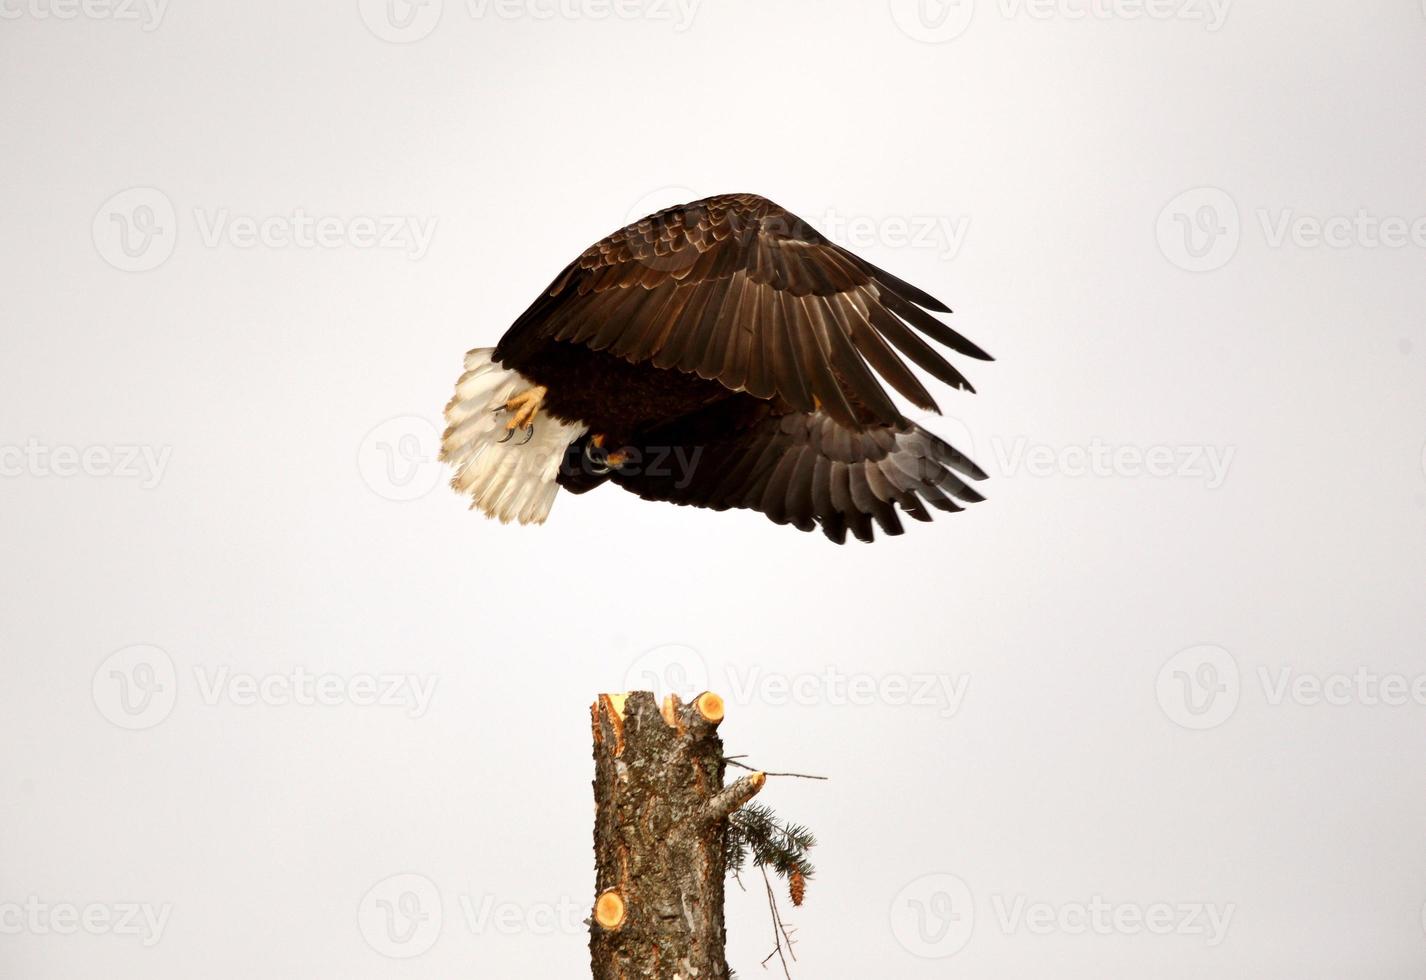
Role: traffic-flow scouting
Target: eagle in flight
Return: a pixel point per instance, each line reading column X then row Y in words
column 718, row 354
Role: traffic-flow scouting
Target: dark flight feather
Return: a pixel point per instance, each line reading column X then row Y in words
column 738, row 290
column 808, row 470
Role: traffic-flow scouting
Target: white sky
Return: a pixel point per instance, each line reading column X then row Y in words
column 1230, row 458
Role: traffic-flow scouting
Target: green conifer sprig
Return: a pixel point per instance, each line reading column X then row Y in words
column 756, row 834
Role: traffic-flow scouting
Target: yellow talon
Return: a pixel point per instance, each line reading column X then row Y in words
column 524, row 407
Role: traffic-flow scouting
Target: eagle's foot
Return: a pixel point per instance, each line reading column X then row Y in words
column 600, row 460
column 525, row 406
column 523, row 409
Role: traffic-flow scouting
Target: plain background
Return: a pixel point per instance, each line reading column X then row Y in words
column 1133, row 313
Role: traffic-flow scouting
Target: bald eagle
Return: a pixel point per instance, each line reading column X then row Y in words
column 718, row 354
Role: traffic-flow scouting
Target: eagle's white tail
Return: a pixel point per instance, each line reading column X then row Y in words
column 513, row 480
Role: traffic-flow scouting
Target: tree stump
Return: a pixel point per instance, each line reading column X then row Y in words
column 660, row 834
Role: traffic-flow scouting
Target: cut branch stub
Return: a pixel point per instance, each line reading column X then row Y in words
column 669, row 710
column 710, row 707
column 721, row 806
column 660, row 832
column 609, row 910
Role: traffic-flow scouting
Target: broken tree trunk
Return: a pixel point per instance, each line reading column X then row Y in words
column 660, row 833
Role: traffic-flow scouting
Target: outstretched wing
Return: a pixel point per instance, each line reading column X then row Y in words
column 809, row 471
column 736, row 289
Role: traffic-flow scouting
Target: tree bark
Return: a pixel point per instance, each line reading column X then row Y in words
column 660, row 828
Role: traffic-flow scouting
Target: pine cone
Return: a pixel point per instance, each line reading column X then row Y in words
column 797, row 887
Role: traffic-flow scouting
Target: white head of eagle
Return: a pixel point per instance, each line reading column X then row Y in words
column 730, row 336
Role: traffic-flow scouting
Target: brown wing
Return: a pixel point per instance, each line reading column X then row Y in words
column 808, row 471
column 736, row 289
